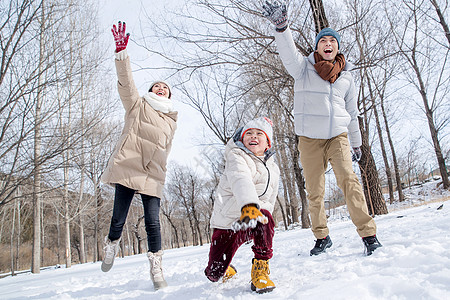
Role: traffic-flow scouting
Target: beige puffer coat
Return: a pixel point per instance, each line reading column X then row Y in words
column 246, row 179
column 139, row 159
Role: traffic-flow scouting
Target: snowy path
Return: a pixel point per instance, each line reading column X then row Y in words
column 413, row 264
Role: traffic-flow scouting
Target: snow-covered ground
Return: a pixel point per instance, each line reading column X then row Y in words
column 414, row 263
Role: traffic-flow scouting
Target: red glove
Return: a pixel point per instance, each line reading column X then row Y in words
column 120, row 37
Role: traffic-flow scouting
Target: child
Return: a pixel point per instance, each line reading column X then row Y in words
column 244, row 202
column 138, row 163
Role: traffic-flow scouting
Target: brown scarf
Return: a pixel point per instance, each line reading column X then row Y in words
column 328, row 70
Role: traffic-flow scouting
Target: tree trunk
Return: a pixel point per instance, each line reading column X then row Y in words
column 43, row 240
column 11, row 247
column 318, row 12
column 82, row 171
column 19, row 232
column 191, row 225
column 282, row 212
column 293, row 199
column 82, row 245
column 284, row 182
column 194, row 211
column 58, row 238
column 199, row 231
column 184, row 234
column 288, row 183
column 36, row 255
column 381, row 139
column 369, row 175
column 129, row 246
column 175, row 232
column 68, row 252
column 394, row 156
column 300, row 180
column 97, row 255
column 67, row 248
column 137, row 235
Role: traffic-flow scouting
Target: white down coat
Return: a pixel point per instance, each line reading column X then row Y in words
column 322, row 110
column 246, row 179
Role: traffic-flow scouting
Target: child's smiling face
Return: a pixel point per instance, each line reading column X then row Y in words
column 255, row 140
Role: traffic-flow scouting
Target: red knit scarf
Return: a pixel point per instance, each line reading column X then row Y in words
column 328, row 70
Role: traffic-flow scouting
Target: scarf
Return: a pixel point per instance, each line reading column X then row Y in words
column 159, row 103
column 327, row 70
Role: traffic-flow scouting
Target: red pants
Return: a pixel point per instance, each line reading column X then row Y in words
column 224, row 244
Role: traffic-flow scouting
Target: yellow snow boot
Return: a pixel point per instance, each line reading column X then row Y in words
column 229, row 273
column 260, row 276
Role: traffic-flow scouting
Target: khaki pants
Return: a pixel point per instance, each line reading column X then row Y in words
column 315, row 155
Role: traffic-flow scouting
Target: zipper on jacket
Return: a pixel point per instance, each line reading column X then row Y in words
column 268, row 171
column 268, row 180
column 268, row 177
column 331, row 109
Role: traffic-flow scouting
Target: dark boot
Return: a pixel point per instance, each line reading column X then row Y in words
column 370, row 244
column 321, row 246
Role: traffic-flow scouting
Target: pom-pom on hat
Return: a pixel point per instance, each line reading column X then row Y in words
column 161, row 81
column 264, row 124
column 328, row 32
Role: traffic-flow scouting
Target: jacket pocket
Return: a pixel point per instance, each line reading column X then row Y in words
column 230, row 208
column 121, row 147
column 147, row 152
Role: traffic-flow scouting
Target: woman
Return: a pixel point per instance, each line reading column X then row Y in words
column 138, row 163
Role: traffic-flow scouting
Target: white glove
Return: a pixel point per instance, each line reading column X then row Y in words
column 276, row 12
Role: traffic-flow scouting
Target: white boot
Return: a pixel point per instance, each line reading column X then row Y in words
column 156, row 273
column 110, row 250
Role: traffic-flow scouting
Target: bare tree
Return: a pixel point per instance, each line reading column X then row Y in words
column 168, row 210
column 415, row 39
column 36, row 262
column 188, row 190
column 442, row 19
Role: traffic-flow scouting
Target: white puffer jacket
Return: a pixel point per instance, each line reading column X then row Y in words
column 322, row 110
column 246, row 179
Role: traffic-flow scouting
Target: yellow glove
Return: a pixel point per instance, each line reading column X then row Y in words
column 250, row 215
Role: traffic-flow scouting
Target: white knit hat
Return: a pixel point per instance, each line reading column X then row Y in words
column 264, row 124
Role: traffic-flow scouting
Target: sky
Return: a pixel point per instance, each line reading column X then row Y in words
column 414, row 263
column 186, row 149
column 185, row 144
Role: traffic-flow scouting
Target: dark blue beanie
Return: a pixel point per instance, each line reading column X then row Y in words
column 328, row 32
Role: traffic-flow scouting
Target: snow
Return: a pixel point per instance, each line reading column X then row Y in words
column 414, row 263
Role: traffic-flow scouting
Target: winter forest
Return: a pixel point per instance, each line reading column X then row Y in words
column 60, row 113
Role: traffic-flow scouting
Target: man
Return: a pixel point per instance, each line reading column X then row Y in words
column 325, row 117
